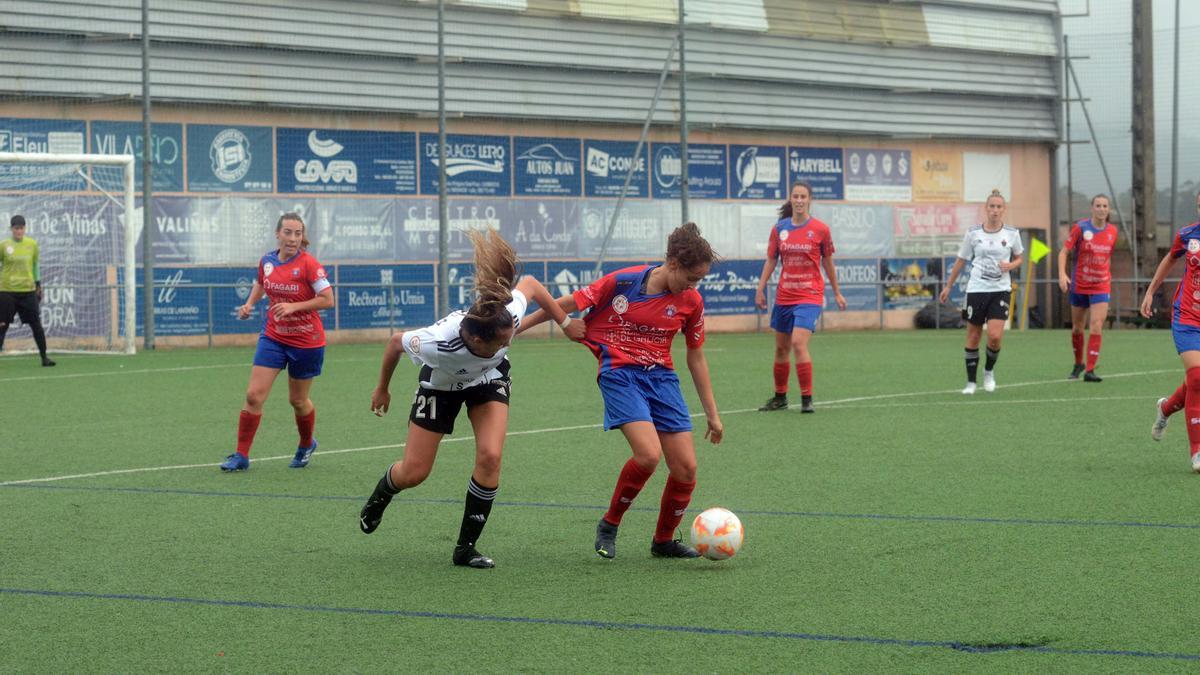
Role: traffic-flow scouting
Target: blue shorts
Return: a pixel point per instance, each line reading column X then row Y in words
column 301, row 364
column 1087, row 299
column 635, row 394
column 786, row 318
column 1187, row 338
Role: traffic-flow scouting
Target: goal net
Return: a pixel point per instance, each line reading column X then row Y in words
column 75, row 207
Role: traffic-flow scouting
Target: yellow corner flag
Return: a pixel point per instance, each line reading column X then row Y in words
column 1037, row 250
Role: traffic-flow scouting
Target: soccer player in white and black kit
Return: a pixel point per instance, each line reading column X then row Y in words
column 993, row 248
column 463, row 361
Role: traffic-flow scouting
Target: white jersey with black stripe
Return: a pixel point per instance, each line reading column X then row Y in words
column 449, row 364
column 985, row 251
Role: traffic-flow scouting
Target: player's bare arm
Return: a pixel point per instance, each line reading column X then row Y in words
column 381, row 399
column 324, row 300
column 698, row 366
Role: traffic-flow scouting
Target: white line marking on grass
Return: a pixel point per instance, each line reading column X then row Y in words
column 983, row 400
column 342, row 451
column 827, row 404
column 139, row 371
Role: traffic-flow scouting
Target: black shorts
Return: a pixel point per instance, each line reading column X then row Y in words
column 983, row 307
column 23, row 304
column 435, row 410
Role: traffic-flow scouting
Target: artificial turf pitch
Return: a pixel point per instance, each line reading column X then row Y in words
column 902, row 527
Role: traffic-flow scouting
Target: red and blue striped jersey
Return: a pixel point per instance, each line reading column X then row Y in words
column 1093, row 247
column 1187, row 293
column 629, row 327
column 300, row 278
column 799, row 249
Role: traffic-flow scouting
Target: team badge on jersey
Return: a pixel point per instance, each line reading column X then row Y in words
column 296, row 272
column 320, row 272
column 267, row 269
column 620, row 304
column 1193, row 246
column 414, row 344
column 1087, row 235
column 9, row 250
column 670, row 310
column 783, row 235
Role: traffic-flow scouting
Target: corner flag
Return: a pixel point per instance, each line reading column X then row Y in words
column 1037, row 250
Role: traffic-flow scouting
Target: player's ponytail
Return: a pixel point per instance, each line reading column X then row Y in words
column 686, row 247
column 495, row 276
column 292, row 215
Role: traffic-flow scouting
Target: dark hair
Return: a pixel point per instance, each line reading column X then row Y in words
column 686, row 247
column 17, row 221
column 495, row 276
column 1100, row 196
column 292, row 215
column 785, row 211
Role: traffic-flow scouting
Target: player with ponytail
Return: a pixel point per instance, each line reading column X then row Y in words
column 463, row 360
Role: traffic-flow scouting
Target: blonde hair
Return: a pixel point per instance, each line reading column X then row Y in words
column 996, row 193
column 495, row 275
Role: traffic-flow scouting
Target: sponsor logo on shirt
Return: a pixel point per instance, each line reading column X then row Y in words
column 321, row 274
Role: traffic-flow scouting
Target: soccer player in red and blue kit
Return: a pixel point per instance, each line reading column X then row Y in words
column 635, row 314
column 804, row 245
column 1185, row 327
column 1092, row 241
column 294, row 338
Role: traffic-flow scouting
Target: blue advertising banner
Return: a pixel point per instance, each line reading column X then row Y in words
column 125, row 138
column 386, row 296
column 475, row 165
column 547, row 167
column 729, row 287
column 819, row 167
column 229, row 158
column 45, row 136
column 757, row 172
column 875, row 175
column 706, row 171
column 564, row 277
column 859, row 283
column 340, row 161
column 181, row 301
column 607, row 163
column 70, row 229
column 75, row 301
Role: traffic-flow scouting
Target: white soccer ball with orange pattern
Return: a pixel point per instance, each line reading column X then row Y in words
column 717, row 534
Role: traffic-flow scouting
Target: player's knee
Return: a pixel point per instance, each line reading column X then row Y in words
column 685, row 471
column 647, row 462
column 299, row 403
column 993, row 343
column 255, row 399
column 487, row 460
column 411, row 475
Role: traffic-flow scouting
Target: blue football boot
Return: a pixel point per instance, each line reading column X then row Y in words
column 303, row 455
column 235, row 462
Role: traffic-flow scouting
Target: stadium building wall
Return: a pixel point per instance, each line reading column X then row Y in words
column 933, row 85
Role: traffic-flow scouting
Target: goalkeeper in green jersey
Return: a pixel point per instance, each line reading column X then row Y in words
column 21, row 286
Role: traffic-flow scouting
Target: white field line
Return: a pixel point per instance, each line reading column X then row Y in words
column 827, row 404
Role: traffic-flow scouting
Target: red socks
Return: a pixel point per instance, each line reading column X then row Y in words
column 675, row 499
column 247, row 427
column 305, row 426
column 631, row 481
column 1192, row 409
column 1093, row 352
column 781, row 377
column 804, row 374
column 1175, row 402
column 1077, row 345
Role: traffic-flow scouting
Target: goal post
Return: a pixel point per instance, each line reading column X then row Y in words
column 81, row 210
